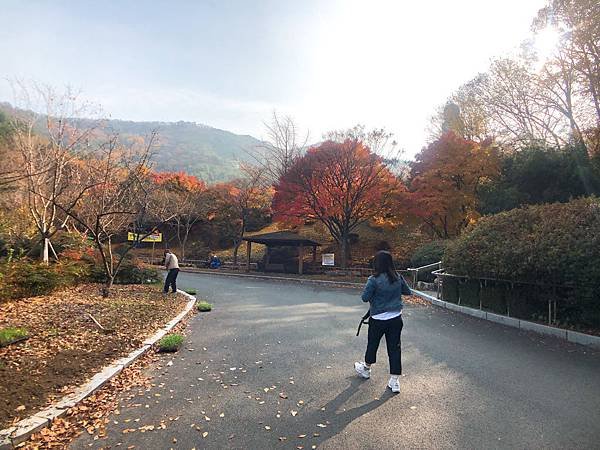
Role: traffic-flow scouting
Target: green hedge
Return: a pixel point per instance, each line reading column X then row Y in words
column 555, row 244
column 428, row 253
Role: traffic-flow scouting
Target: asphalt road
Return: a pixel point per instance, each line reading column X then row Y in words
column 467, row 383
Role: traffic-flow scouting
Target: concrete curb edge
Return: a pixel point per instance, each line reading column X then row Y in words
column 525, row 325
column 20, row 432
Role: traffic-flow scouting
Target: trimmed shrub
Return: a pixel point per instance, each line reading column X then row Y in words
column 11, row 334
column 203, row 306
column 554, row 244
column 132, row 271
column 32, row 279
column 170, row 343
column 428, row 253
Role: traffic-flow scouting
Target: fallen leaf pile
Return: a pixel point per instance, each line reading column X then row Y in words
column 65, row 346
column 91, row 415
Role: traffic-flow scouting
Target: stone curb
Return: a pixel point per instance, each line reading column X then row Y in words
column 13, row 436
column 568, row 335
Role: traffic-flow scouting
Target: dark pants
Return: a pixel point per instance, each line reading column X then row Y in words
column 171, row 280
column 392, row 329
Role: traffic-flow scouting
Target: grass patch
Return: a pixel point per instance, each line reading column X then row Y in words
column 203, row 306
column 170, row 343
column 189, row 291
column 10, row 335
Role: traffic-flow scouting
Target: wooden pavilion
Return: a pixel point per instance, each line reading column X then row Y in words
column 281, row 239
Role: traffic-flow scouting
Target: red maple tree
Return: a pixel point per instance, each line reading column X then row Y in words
column 341, row 184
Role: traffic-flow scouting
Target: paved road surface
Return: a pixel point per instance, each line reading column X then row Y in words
column 467, row 384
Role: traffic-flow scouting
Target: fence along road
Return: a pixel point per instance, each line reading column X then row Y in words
column 468, row 383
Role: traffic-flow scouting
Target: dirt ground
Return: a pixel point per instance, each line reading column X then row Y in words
column 65, row 346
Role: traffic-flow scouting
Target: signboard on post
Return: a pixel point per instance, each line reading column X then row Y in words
column 154, row 237
column 328, row 259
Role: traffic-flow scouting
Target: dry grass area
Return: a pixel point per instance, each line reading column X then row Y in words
column 65, row 346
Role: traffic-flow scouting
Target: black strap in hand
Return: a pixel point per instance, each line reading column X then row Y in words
column 365, row 320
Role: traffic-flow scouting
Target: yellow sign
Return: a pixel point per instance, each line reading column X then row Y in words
column 154, row 237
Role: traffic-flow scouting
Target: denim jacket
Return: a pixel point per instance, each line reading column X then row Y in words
column 383, row 295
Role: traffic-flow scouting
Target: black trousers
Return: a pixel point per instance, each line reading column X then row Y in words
column 171, row 280
column 391, row 329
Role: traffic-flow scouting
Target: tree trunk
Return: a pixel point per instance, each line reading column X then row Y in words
column 107, row 286
column 183, row 244
column 236, row 248
column 45, row 250
column 344, row 251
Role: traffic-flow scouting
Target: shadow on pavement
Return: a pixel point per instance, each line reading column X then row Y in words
column 337, row 416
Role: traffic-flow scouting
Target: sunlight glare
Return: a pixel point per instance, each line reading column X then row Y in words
column 546, row 43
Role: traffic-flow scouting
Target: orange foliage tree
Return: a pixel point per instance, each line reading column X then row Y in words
column 446, row 176
column 341, row 184
column 178, row 201
column 240, row 200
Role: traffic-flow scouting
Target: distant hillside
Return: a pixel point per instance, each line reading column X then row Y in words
column 200, row 150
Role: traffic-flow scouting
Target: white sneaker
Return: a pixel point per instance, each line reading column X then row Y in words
column 394, row 384
column 362, row 370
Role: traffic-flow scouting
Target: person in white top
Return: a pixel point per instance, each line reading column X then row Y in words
column 172, row 265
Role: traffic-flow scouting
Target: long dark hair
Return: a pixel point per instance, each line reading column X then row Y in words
column 383, row 263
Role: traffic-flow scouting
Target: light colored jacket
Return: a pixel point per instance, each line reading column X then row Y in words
column 171, row 261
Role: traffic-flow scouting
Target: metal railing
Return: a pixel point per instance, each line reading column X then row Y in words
column 414, row 271
column 552, row 293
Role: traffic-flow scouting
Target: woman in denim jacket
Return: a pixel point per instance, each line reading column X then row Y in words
column 384, row 291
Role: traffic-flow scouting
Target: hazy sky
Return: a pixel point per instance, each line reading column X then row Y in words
column 328, row 63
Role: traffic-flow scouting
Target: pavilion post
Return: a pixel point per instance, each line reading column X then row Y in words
column 300, row 258
column 314, row 254
column 248, row 250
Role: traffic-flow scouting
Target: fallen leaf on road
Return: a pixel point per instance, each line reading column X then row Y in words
column 294, row 413
column 20, row 408
column 321, row 425
column 301, row 436
column 267, row 427
column 170, row 363
column 205, row 434
column 283, row 395
column 222, row 415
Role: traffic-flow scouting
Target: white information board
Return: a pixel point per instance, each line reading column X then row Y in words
column 328, row 259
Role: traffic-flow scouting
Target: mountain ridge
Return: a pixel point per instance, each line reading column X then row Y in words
column 210, row 153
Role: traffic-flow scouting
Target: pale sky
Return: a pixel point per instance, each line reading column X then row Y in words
column 328, row 63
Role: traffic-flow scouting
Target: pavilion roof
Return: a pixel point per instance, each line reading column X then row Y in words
column 283, row 238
